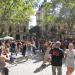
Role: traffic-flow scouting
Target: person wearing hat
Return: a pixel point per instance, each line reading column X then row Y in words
column 57, row 55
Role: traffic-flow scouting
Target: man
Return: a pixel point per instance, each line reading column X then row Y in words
column 13, row 47
column 57, row 55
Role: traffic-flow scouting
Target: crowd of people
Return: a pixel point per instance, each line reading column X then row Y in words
column 57, row 53
column 54, row 52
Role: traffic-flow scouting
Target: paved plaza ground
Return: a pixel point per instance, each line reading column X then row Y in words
column 32, row 67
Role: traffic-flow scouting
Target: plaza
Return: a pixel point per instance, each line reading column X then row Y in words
column 28, row 68
column 33, row 67
column 30, row 29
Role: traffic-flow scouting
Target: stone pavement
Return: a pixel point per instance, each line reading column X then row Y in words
column 28, row 68
column 32, row 67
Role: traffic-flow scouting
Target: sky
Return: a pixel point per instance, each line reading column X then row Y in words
column 41, row 1
column 32, row 22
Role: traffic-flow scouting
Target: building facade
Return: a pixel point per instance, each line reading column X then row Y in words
column 19, row 32
column 54, row 30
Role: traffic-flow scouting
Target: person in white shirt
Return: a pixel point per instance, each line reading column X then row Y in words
column 70, row 59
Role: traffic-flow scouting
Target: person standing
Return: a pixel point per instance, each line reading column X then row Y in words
column 33, row 46
column 29, row 52
column 24, row 49
column 47, row 55
column 70, row 59
column 3, row 66
column 57, row 55
column 13, row 48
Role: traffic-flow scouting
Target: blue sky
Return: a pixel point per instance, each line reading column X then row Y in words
column 33, row 17
column 41, row 1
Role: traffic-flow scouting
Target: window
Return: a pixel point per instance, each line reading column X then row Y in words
column 17, row 28
column 10, row 29
column 2, row 30
column 24, row 29
column 17, row 37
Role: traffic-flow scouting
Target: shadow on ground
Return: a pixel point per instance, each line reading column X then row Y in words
column 41, row 68
column 38, row 57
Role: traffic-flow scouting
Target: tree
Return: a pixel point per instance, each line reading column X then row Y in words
column 59, row 12
column 49, row 16
column 67, row 13
column 16, row 11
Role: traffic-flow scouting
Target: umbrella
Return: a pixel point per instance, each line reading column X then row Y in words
column 8, row 38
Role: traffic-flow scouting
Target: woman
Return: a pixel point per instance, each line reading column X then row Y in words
column 29, row 53
column 47, row 55
column 33, row 46
column 3, row 67
column 5, row 51
column 70, row 59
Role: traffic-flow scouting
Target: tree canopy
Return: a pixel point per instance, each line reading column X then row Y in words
column 58, row 11
column 16, row 11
